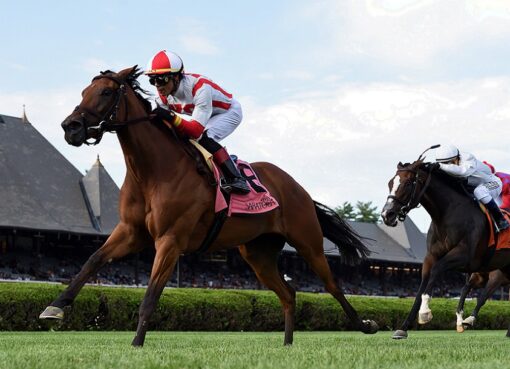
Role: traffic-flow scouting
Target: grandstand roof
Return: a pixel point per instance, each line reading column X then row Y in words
column 42, row 190
column 103, row 196
column 403, row 243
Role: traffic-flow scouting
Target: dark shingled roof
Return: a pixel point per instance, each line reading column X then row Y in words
column 103, row 196
column 403, row 243
column 40, row 189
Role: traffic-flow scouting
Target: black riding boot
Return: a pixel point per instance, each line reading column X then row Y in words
column 497, row 215
column 233, row 180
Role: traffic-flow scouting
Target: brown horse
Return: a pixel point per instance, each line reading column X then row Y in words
column 489, row 282
column 458, row 235
column 166, row 203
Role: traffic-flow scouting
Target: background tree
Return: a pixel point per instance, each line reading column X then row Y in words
column 346, row 211
column 366, row 212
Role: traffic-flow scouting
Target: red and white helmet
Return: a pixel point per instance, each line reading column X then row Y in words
column 165, row 62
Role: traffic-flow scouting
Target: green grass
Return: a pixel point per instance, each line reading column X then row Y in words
column 423, row 349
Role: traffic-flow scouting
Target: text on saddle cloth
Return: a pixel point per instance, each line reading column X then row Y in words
column 257, row 201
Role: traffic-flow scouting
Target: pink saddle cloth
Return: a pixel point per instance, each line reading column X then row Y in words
column 257, row 201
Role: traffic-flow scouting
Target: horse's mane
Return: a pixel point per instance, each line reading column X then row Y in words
column 132, row 81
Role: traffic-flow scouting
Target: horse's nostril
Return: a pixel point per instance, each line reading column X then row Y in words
column 73, row 125
column 388, row 215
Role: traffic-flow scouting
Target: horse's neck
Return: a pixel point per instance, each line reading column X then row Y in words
column 441, row 201
column 150, row 154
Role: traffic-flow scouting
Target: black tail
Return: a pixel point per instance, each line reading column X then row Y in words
column 349, row 243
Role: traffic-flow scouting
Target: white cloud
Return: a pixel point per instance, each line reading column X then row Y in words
column 411, row 33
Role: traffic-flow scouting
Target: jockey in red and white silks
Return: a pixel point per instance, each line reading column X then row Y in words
column 208, row 104
column 479, row 175
column 214, row 113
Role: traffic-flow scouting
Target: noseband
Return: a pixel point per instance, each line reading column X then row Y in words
column 415, row 196
column 107, row 122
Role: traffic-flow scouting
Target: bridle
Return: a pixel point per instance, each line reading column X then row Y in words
column 108, row 122
column 414, row 196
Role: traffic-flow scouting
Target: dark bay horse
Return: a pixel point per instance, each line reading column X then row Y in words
column 458, row 235
column 167, row 204
column 489, row 281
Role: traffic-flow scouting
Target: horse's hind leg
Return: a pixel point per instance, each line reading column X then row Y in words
column 310, row 247
column 460, row 307
column 262, row 255
column 493, row 282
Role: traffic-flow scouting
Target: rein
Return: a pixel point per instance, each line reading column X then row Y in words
column 414, row 198
column 108, row 122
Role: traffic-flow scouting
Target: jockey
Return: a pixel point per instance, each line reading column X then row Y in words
column 214, row 114
column 487, row 185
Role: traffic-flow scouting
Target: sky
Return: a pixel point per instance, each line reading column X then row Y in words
column 336, row 93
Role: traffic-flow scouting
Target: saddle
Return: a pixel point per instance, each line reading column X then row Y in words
column 501, row 240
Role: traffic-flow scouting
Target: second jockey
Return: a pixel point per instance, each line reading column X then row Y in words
column 487, row 185
column 214, row 113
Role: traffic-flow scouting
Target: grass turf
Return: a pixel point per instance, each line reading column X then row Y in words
column 423, row 349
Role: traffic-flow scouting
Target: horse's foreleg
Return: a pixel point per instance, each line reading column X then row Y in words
column 123, row 241
column 167, row 254
column 454, row 258
column 425, row 274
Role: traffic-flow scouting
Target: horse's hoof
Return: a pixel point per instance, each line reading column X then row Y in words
column 425, row 317
column 52, row 312
column 469, row 322
column 369, row 326
column 399, row 335
column 460, row 329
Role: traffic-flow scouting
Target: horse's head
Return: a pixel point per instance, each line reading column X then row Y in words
column 101, row 106
column 406, row 190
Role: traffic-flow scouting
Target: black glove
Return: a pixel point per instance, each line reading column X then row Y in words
column 433, row 166
column 164, row 114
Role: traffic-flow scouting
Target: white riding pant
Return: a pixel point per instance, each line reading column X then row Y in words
column 488, row 191
column 220, row 126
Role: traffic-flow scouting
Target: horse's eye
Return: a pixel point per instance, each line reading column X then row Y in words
column 106, row 92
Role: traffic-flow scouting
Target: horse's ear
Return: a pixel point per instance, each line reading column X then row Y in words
column 125, row 73
column 400, row 165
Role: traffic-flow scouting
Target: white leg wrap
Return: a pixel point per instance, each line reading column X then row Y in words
column 470, row 320
column 460, row 318
column 425, row 314
column 424, row 303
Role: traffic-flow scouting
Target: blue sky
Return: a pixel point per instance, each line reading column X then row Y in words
column 334, row 92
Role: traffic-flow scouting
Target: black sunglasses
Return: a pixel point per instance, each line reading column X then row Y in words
column 159, row 80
